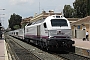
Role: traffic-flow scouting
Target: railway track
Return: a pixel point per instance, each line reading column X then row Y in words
column 71, row 56
column 18, row 52
column 25, row 53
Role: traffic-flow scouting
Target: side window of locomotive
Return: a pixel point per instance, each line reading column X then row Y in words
column 16, row 33
column 59, row 22
column 45, row 26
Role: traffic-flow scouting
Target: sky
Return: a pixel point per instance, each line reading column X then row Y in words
column 27, row 8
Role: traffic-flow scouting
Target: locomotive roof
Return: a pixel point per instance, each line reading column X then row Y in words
column 39, row 21
column 42, row 20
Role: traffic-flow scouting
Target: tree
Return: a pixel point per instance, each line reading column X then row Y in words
column 88, row 7
column 16, row 27
column 15, row 20
column 24, row 24
column 68, row 11
column 80, row 7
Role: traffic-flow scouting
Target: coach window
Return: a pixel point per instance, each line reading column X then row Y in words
column 45, row 26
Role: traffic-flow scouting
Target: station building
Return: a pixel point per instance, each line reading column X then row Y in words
column 80, row 27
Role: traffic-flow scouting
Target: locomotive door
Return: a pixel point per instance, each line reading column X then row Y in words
column 38, row 31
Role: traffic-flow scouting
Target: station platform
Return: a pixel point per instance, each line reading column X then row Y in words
column 82, row 47
column 3, row 51
column 81, row 44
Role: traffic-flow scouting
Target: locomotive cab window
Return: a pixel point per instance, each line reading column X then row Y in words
column 45, row 26
column 59, row 22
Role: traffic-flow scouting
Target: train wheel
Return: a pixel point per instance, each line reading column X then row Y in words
column 41, row 44
column 48, row 48
column 36, row 43
column 27, row 40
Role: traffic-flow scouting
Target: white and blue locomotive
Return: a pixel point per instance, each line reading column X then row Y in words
column 54, row 32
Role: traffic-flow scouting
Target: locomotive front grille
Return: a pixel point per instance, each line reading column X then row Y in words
column 60, row 41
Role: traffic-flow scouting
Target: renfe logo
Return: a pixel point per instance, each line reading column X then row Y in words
column 60, row 33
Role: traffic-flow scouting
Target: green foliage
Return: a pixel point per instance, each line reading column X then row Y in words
column 88, row 7
column 68, row 11
column 23, row 25
column 14, row 21
column 80, row 7
column 16, row 27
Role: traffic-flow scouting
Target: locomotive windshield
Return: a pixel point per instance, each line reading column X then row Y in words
column 59, row 22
